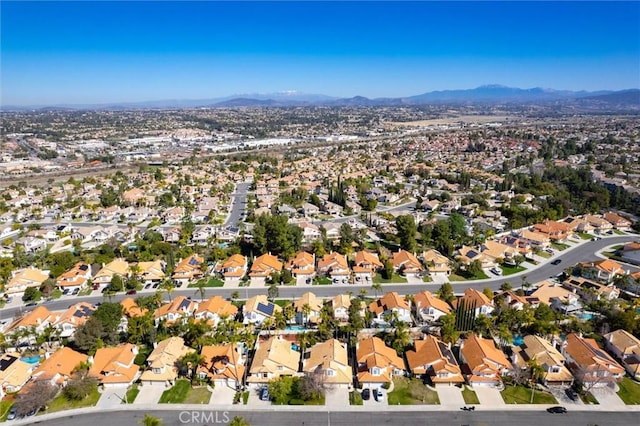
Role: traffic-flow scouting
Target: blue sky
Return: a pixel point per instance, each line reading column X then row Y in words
column 76, row 52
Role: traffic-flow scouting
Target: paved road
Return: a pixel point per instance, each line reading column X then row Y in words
column 239, row 204
column 585, row 251
column 284, row 417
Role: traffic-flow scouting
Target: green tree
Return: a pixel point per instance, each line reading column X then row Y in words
column 31, row 294
column 407, row 229
column 109, row 314
column 79, row 387
column 273, row 292
column 280, row 389
column 149, row 420
column 387, row 271
column 117, row 283
column 445, row 292
column 239, row 421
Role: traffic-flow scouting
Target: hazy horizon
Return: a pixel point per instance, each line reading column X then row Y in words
column 107, row 52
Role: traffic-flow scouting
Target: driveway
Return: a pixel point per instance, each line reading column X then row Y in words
column 337, row 396
column 561, row 396
column 150, row 394
column 222, row 395
column 254, row 397
column 111, row 397
column 450, row 395
column 257, row 282
column 489, row 396
column 607, row 398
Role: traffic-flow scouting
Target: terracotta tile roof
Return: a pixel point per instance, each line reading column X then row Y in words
column 36, row 317
column 330, row 354
column 374, row 353
column 367, row 260
column 333, row 262
column 188, row 268
column 274, row 353
column 62, row 362
column 433, row 353
column 265, row 265
column 115, row 365
column 542, row 351
column 164, row 356
column 217, row 305
column 76, row 314
column 407, row 261
column 222, row 362
column 179, row 305
column 252, row 304
column 425, row 299
column 308, row 299
column 131, row 309
column 387, row 302
column 588, row 356
column 472, row 296
column 341, row 301
column 482, row 356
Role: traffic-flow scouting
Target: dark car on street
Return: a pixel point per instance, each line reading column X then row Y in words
column 366, row 394
column 571, row 394
column 556, row 262
column 557, row 410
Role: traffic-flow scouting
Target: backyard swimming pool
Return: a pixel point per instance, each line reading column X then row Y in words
column 31, row 359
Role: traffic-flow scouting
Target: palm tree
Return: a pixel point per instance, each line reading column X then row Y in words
column 149, row 420
column 167, row 285
column 239, row 421
column 376, row 287
column 306, row 311
column 201, row 285
column 535, row 371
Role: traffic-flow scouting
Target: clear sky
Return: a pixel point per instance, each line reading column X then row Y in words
column 76, row 52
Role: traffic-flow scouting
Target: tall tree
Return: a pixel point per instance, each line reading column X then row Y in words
column 407, row 230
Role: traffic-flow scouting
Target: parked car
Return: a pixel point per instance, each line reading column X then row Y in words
column 556, row 262
column 378, row 394
column 96, row 286
column 366, row 394
column 571, row 394
column 132, row 292
column 495, row 271
column 264, row 394
column 75, row 291
column 557, row 410
column 12, row 413
column 596, row 238
column 65, row 291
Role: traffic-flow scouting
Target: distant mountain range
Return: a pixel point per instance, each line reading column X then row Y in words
column 488, row 94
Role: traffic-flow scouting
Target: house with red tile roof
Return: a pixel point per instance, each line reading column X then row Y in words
column 429, row 307
column 391, row 306
column 223, row 365
column 365, row 266
column 265, row 265
column 604, row 270
column 377, row 363
column 179, row 309
column 232, row 269
column 75, row 278
column 590, row 365
column 115, row 367
column 303, row 267
column 483, row 363
column 214, row 309
column 59, row 367
column 188, row 270
column 336, row 266
column 406, row 263
column 474, row 299
column 434, row 359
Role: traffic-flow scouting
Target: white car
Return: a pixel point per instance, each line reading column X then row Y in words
column 378, row 395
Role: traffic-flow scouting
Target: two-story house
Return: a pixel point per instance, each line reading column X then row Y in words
column 180, row 308
column 434, row 359
column 308, row 308
column 329, row 360
column 303, row 267
column 365, row 266
column 75, row 316
column 258, row 309
column 543, row 353
column 22, row 279
column 14, row 373
column 214, row 309
column 115, row 367
column 484, row 363
column 273, row 358
column 476, row 300
column 104, row 276
column 334, row 265
column 406, row 263
column 590, row 365
column 188, row 270
column 232, row 269
column 625, row 347
column 75, row 279
column 161, row 362
column 390, row 308
column 428, row 307
column 223, row 365
column 59, row 367
column 377, row 363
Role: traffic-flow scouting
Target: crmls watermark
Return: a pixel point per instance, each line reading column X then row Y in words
column 204, row 417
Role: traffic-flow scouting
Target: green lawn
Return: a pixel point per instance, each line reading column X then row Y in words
column 5, row 406
column 322, row 281
column 199, row 395
column 395, row 278
column 510, row 270
column 522, row 395
column 629, row 391
column 177, row 394
column 455, row 277
column 60, row 403
column 411, row 392
column 560, row 246
column 132, row 393
column 427, row 279
column 470, row 396
column 85, row 291
column 588, row 398
column 355, row 398
column 544, row 254
column 619, row 232
column 584, row 236
column 213, row 282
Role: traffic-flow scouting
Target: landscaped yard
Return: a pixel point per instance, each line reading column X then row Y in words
column 411, row 392
column 131, row 394
column 510, row 270
column 629, row 391
column 355, row 398
column 199, row 395
column 522, row 395
column 588, row 398
column 177, row 394
column 470, row 396
column 584, row 236
column 61, row 403
column 322, row 281
column 427, row 279
column 213, row 282
column 5, row 406
column 395, row 278
column 559, row 246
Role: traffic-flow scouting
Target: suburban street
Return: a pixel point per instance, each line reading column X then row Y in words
column 583, row 252
column 192, row 415
column 239, row 204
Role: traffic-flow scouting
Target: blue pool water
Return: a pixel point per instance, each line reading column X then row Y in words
column 585, row 316
column 295, row 347
column 518, row 340
column 295, row 328
column 31, row 359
